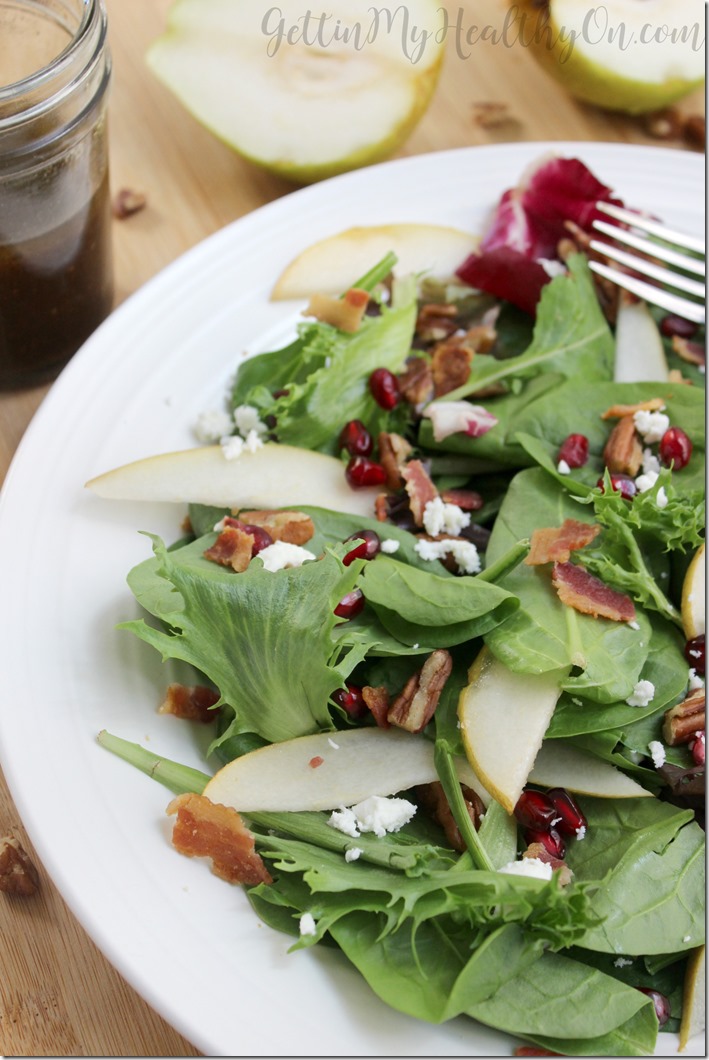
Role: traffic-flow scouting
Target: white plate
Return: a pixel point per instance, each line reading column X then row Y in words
column 186, row 941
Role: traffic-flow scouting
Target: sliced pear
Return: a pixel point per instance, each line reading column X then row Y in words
column 303, row 94
column 639, row 353
column 324, row 771
column 694, row 596
column 275, row 476
column 694, row 998
column 629, row 56
column 333, row 264
column 503, row 717
column 560, row 765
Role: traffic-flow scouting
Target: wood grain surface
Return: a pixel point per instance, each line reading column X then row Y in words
column 58, row 995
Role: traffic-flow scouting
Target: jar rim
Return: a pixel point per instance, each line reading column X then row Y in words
column 60, row 61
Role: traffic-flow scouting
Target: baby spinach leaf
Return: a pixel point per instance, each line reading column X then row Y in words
column 544, row 634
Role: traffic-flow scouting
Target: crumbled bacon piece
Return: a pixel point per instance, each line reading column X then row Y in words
column 540, row 852
column 618, row 412
column 419, row 487
column 554, row 544
column 17, row 872
column 466, row 500
column 192, row 702
column 433, row 798
column 450, row 365
column 295, row 528
column 416, row 383
column 394, row 451
column 345, row 313
column 233, row 548
column 589, row 595
column 378, row 702
column 623, row 453
column 207, row 829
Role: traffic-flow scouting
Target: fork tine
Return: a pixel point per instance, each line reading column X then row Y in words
column 655, row 228
column 645, row 246
column 655, row 295
column 648, row 268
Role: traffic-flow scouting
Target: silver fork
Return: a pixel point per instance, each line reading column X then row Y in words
column 653, row 292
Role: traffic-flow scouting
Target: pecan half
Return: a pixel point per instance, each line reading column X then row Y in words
column 17, row 872
column 436, row 320
column 416, row 382
column 685, row 719
column 450, row 365
column 419, row 487
column 623, row 453
column 394, row 451
column 377, row 699
column 433, row 798
column 416, row 704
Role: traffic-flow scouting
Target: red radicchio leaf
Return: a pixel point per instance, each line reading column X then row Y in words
column 528, row 224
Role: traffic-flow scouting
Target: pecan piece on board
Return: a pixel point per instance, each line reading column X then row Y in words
column 623, row 453
column 17, row 872
column 415, row 705
column 685, row 719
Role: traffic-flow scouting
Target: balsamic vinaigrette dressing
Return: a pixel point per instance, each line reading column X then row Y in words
column 55, row 289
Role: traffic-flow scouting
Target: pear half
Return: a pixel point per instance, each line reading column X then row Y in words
column 274, row 476
column 327, row 770
column 639, row 353
column 694, row 596
column 503, row 717
column 333, row 264
column 306, row 93
column 632, row 55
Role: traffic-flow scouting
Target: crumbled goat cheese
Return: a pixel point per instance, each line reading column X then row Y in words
column 212, row 425
column 563, row 468
column 695, row 681
column 650, row 462
column 687, row 938
column 389, row 546
column 247, row 419
column 252, row 442
column 634, row 625
column 542, row 870
column 622, row 962
column 646, row 481
column 464, row 553
column 375, row 814
column 661, row 498
column 232, row 446
column 658, row 753
column 581, row 832
column 441, row 518
column 281, row 554
column 307, row 924
column 642, row 694
column 651, row 425
column 353, row 853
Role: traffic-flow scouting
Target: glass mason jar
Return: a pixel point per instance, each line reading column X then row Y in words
column 56, row 277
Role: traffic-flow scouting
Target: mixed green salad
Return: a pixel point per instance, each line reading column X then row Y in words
column 479, row 422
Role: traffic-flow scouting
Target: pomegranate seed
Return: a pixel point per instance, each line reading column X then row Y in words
column 385, row 388
column 574, row 450
column 351, row 701
column 672, row 325
column 356, row 439
column 361, row 471
column 661, row 1003
column 698, row 750
column 550, row 840
column 535, row 810
column 694, row 653
column 622, row 484
column 351, row 604
column 368, row 547
column 262, row 538
column 572, row 819
column 675, row 448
